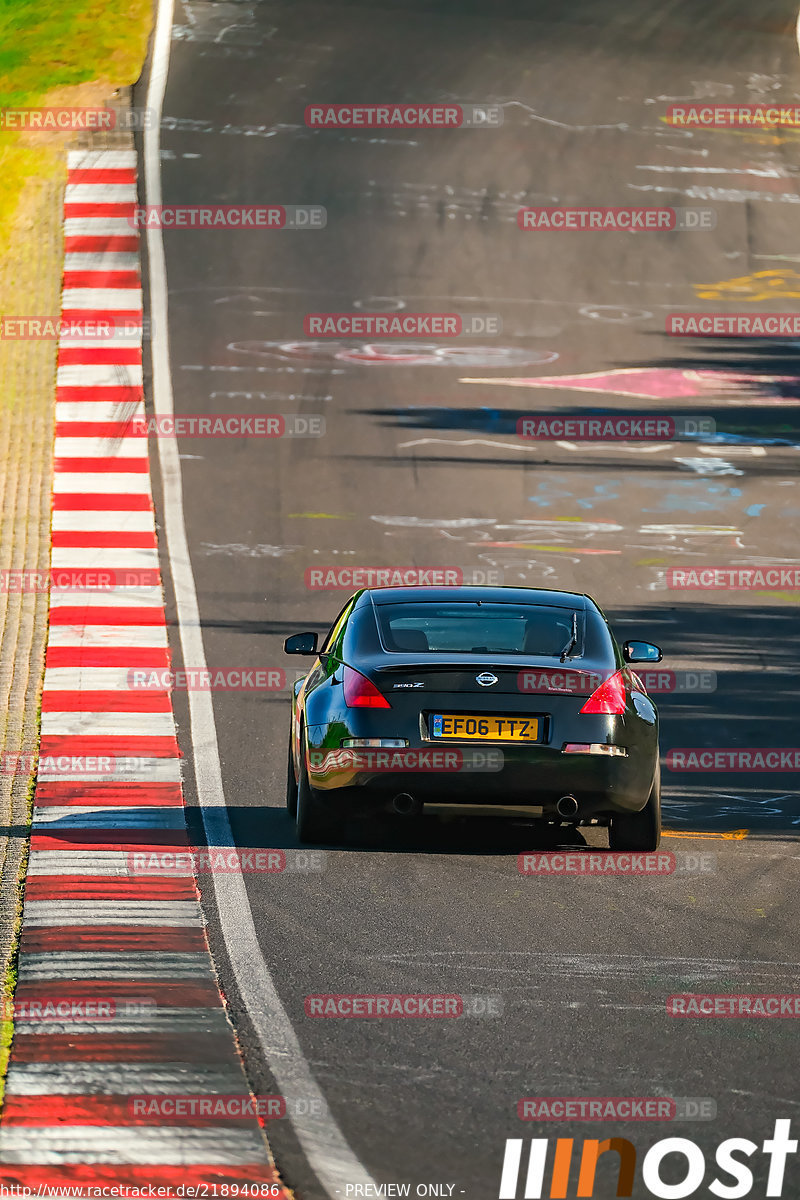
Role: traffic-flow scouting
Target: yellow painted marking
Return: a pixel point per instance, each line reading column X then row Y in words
column 760, row 285
column 324, row 516
column 731, row 835
column 549, row 549
column 789, row 597
column 757, row 135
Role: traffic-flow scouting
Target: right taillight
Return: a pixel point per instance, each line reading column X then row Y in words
column 609, row 698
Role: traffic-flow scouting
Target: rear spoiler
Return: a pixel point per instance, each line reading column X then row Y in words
column 548, row 664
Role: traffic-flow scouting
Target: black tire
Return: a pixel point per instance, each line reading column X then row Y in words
column 291, row 782
column 639, row 831
column 313, row 822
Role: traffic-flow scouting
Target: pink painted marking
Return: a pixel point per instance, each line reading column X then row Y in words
column 651, row 383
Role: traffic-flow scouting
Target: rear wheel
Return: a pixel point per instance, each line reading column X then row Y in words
column 639, row 831
column 314, row 823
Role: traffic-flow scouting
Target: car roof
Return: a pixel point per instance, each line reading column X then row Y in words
column 489, row 595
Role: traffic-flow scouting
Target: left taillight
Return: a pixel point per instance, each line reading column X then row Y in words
column 609, row 698
column 360, row 692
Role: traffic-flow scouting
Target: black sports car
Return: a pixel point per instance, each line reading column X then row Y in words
column 497, row 700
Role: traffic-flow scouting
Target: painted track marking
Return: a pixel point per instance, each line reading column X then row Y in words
column 68, row 1116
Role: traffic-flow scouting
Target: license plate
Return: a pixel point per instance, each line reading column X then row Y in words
column 490, row 729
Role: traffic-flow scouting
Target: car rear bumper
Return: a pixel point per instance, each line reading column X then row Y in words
column 530, row 778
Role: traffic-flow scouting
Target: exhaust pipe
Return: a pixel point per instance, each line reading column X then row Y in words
column 406, row 805
column 567, row 806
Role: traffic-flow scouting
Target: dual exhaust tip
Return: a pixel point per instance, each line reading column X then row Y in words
column 406, row 805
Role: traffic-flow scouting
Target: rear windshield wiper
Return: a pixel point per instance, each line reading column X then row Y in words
column 573, row 641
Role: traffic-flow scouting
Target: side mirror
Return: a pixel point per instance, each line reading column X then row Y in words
column 641, row 652
column 301, row 643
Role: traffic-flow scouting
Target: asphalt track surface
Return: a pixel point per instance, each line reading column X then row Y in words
column 420, row 467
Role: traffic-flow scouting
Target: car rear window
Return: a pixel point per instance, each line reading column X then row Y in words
column 472, row 628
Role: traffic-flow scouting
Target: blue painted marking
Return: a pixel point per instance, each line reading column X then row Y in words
column 673, row 503
column 550, row 490
column 743, row 439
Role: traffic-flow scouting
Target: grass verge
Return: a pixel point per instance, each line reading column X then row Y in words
column 59, row 53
